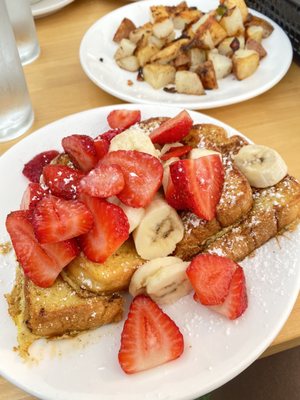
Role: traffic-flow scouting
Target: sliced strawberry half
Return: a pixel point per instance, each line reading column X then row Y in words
column 110, row 230
column 102, row 142
column 34, row 168
column 172, row 130
column 41, row 263
column 62, row 180
column 56, row 219
column 177, row 151
column 32, row 195
column 173, row 196
column 103, row 181
column 123, row 119
column 211, row 276
column 142, row 174
column 81, row 149
column 236, row 302
column 149, row 337
column 200, row 182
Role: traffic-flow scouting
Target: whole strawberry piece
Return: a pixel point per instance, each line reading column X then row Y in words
column 41, row 263
column 211, row 276
column 34, row 168
column 56, row 219
column 81, row 149
column 123, row 119
column 149, row 337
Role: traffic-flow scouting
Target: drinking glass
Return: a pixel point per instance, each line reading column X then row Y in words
column 16, row 115
column 22, row 21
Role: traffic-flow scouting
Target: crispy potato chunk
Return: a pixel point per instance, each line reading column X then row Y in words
column 126, row 48
column 169, row 53
column 245, row 63
column 232, row 22
column 237, row 3
column 129, row 63
column 256, row 21
column 222, row 64
column 217, row 32
column 256, row 46
column 124, row 30
column 137, row 34
column 186, row 17
column 158, row 75
column 255, row 32
column 189, row 83
column 197, row 56
column 207, row 75
column 159, row 13
column 182, row 59
column 145, row 53
column 228, row 46
column 163, row 29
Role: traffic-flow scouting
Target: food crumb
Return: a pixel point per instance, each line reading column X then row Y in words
column 129, row 82
column 5, row 248
column 101, row 59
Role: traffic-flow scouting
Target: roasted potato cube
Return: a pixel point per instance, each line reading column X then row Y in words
column 159, row 43
column 145, row 53
column 255, row 32
column 256, row 46
column 207, row 75
column 193, row 29
column 137, row 34
column 129, row 63
column 241, row 39
column 188, row 82
column 158, row 75
column 182, row 59
column 237, row 3
column 124, row 30
column 228, row 46
column 169, row 53
column 159, row 13
column 197, row 56
column 186, row 17
column 232, row 22
column 222, row 64
column 245, row 63
column 163, row 29
column 126, row 48
column 257, row 21
column 171, row 37
column 217, row 33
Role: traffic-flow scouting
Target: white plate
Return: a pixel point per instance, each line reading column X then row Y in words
column 97, row 43
column 46, row 7
column 216, row 349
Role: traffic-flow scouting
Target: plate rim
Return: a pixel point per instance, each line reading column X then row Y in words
column 39, row 11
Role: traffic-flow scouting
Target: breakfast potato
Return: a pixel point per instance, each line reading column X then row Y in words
column 158, row 75
column 197, row 56
column 239, row 4
column 228, row 46
column 216, row 31
column 203, row 41
column 222, row 64
column 207, row 75
column 255, row 32
column 188, row 82
column 144, row 54
column 129, row 63
column 245, row 63
column 257, row 21
column 159, row 13
column 186, row 17
column 126, row 48
column 124, row 30
column 241, row 39
column 169, row 53
column 163, row 29
column 232, row 22
column 256, row 46
column 159, row 43
column 137, row 34
column 182, row 59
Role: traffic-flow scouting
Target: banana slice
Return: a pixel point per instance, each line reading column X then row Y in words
column 166, row 174
column 261, row 165
column 134, row 215
column 159, row 230
column 166, row 147
column 134, row 138
column 164, row 279
column 202, row 152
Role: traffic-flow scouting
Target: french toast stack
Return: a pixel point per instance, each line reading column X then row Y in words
column 87, row 295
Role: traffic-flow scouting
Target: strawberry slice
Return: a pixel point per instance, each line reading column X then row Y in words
column 34, row 168
column 32, row 195
column 123, row 119
column 210, row 276
column 81, row 149
column 110, row 230
column 149, row 337
column 173, row 196
column 62, row 180
column 200, row 183
column 177, row 151
column 41, row 263
column 142, row 174
column 102, row 142
column 103, row 181
column 236, row 302
column 172, row 130
column 56, row 219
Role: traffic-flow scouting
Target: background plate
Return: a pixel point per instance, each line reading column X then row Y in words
column 46, row 7
column 86, row 367
column 97, row 43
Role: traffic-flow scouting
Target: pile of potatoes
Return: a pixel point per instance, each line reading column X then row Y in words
column 187, row 51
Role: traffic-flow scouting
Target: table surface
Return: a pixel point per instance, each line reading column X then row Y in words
column 58, row 87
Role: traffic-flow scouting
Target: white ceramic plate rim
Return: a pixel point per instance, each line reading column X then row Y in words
column 146, row 95
column 28, row 144
column 45, row 7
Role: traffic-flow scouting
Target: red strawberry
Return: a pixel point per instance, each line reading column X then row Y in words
column 123, row 119
column 41, row 263
column 142, row 173
column 56, row 219
column 177, row 151
column 32, row 195
column 110, row 230
column 33, row 169
column 62, row 180
column 210, row 276
column 172, row 195
column 200, row 182
column 103, row 181
column 172, row 130
column 149, row 337
column 237, row 301
column 82, row 151
column 102, row 142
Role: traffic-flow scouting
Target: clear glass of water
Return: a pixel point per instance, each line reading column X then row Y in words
column 22, row 21
column 16, row 115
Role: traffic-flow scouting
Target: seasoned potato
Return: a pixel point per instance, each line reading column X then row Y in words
column 129, row 63
column 222, row 64
column 158, row 75
column 124, row 30
column 159, row 43
column 182, row 59
column 207, row 75
column 145, row 53
column 237, row 3
column 186, row 17
column 197, row 56
column 188, row 82
column 245, row 63
column 163, row 29
column 169, row 53
column 137, row 34
column 126, row 48
column 241, row 39
column 256, row 21
column 159, row 13
column 228, row 46
column 232, row 22
column 256, row 46
column 216, row 31
column 255, row 32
